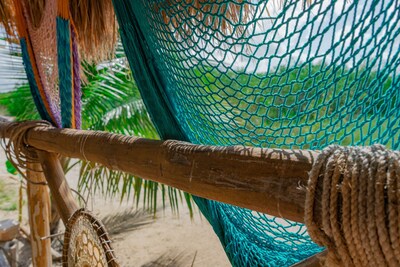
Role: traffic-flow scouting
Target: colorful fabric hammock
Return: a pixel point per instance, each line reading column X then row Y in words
column 287, row 74
column 50, row 55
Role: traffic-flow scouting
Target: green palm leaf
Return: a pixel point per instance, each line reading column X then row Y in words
column 110, row 102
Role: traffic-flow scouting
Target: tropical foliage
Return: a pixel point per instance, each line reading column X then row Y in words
column 110, row 102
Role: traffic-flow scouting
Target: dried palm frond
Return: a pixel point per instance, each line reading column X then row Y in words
column 218, row 15
column 221, row 16
column 7, row 14
column 95, row 24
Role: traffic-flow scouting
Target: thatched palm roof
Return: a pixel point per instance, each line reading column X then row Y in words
column 95, row 23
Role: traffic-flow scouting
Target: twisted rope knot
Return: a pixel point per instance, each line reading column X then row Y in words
column 353, row 205
column 17, row 150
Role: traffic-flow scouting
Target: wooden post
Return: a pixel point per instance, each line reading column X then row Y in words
column 39, row 217
column 59, row 188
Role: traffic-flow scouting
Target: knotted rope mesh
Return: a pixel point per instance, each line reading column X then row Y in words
column 286, row 74
column 50, row 54
column 41, row 28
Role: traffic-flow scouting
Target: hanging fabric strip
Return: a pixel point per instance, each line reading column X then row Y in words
column 39, row 96
column 149, row 82
column 67, row 69
column 146, row 74
column 50, row 54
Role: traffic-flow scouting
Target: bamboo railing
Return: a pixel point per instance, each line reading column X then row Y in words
column 271, row 181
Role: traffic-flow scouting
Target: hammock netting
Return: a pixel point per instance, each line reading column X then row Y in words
column 42, row 35
column 286, row 74
column 50, row 55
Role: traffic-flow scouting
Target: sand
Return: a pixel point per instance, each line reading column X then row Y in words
column 169, row 235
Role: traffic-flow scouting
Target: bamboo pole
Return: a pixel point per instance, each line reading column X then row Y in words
column 271, row 181
column 39, row 217
column 59, row 188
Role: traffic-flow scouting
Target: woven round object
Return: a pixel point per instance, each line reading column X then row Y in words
column 86, row 242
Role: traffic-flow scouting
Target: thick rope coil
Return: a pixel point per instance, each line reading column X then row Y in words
column 353, row 205
column 18, row 152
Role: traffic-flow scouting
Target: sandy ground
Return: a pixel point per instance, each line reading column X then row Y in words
column 169, row 235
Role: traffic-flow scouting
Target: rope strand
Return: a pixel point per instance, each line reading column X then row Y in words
column 18, row 152
column 352, row 205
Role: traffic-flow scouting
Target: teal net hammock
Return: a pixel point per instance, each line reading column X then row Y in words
column 287, row 74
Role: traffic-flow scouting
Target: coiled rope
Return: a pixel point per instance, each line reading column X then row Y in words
column 17, row 150
column 352, row 205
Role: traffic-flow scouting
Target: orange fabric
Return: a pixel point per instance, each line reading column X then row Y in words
column 22, row 28
column 63, row 9
column 19, row 19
